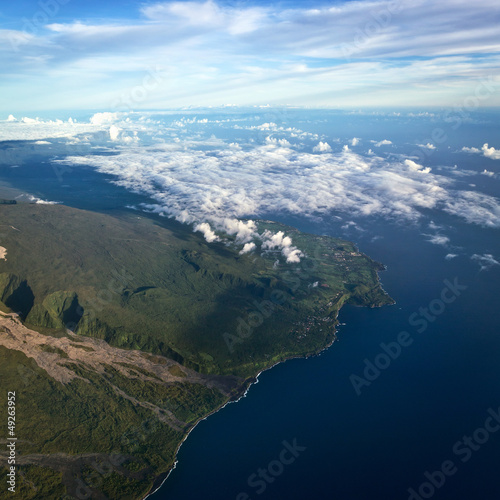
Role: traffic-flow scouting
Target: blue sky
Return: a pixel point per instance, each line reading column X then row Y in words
column 123, row 55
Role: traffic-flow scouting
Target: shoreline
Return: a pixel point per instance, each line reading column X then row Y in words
column 162, row 478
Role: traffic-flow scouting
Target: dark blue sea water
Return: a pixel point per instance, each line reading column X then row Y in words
column 432, row 404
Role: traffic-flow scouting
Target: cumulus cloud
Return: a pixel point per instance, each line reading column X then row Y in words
column 416, row 167
column 488, row 152
column 248, row 247
column 104, row 118
column 485, row 261
column 355, row 141
column 244, row 231
column 265, row 126
column 322, row 147
column 114, row 132
column 492, row 153
column 384, row 142
column 283, row 243
column 427, row 146
column 278, row 142
column 450, row 256
column 205, row 228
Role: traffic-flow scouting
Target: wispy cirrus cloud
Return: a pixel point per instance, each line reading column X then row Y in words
column 354, row 53
column 485, row 261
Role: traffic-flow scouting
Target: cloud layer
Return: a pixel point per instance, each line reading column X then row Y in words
column 216, row 184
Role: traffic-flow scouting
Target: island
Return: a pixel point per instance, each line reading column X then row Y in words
column 120, row 331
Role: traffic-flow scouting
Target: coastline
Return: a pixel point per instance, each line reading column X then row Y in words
column 162, row 478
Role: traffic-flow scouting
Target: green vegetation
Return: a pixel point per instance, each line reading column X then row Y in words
column 35, row 483
column 153, row 285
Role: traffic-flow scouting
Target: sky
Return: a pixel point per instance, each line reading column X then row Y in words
column 131, row 55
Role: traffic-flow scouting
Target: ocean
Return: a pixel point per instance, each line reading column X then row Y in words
column 380, row 443
column 356, row 422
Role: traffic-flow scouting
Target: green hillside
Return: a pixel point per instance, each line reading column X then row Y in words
column 206, row 318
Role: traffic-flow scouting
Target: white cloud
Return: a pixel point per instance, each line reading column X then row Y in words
column 485, row 261
column 492, row 153
column 248, row 247
column 244, row 231
column 266, row 126
column 195, row 13
column 223, row 184
column 205, row 228
column 33, row 129
column 275, row 240
column 481, row 208
column 427, row 146
column 488, row 152
column 12, row 118
column 277, row 142
column 488, row 173
column 438, row 239
column 218, row 52
column 384, row 142
column 450, row 256
column 114, row 132
column 281, row 242
column 416, row 167
column 292, row 254
column 355, row 141
column 353, row 225
column 104, row 118
column 40, row 201
column 470, row 150
column 322, row 147
column 208, row 15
